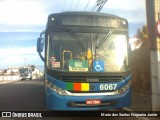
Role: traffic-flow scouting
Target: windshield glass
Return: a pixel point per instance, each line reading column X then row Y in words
column 87, row 52
column 23, row 71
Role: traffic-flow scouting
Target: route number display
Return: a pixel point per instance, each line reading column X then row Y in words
column 78, row 65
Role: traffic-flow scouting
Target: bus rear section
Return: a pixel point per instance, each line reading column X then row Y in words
column 86, row 61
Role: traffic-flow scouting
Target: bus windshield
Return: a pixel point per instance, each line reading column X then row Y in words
column 23, row 71
column 87, row 52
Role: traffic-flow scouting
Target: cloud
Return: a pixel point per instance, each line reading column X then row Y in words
column 22, row 12
column 138, row 16
column 31, row 15
column 18, row 36
column 18, row 39
column 127, row 5
column 17, row 51
column 18, row 56
column 134, row 11
column 22, row 28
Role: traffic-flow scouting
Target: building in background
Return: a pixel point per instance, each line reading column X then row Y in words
column 16, row 73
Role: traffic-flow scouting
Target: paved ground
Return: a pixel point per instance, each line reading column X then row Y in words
column 28, row 95
column 22, row 95
column 140, row 101
column 7, row 81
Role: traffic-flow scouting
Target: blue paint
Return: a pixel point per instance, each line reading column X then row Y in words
column 98, row 66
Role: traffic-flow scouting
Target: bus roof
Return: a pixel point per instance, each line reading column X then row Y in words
column 84, row 19
column 84, row 13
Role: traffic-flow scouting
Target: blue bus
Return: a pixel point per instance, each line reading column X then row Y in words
column 86, row 61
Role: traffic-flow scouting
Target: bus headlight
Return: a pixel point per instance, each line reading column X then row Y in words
column 124, row 88
column 56, row 89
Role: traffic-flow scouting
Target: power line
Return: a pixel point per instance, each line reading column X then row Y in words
column 87, row 5
column 77, row 5
column 99, row 4
column 94, row 6
column 71, row 5
column 64, row 4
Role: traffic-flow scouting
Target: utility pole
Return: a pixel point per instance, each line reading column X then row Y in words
column 25, row 61
column 153, row 12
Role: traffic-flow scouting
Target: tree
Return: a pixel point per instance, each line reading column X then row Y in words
column 140, row 62
column 32, row 67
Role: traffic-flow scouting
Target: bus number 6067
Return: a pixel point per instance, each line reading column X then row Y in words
column 108, row 86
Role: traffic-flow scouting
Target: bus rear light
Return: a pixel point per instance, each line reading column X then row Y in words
column 124, row 88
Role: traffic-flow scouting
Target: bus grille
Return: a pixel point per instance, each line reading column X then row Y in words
column 92, row 79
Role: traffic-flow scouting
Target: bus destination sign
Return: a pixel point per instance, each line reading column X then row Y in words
column 78, row 65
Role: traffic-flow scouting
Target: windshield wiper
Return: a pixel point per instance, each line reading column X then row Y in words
column 78, row 41
column 104, row 39
column 101, row 42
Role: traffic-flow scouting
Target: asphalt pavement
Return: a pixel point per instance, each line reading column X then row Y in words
column 140, row 101
column 29, row 96
column 22, row 96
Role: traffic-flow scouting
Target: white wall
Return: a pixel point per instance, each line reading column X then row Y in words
column 5, row 78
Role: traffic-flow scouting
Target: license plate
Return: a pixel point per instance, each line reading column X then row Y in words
column 93, row 102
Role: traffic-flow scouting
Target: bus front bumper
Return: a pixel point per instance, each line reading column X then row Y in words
column 53, row 101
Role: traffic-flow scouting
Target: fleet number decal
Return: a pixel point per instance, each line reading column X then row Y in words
column 108, row 86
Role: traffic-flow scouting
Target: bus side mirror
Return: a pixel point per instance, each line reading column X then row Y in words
column 40, row 45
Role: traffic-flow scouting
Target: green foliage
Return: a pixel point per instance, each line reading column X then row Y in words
column 140, row 63
column 33, row 67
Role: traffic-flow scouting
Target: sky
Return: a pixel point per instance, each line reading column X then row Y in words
column 21, row 21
